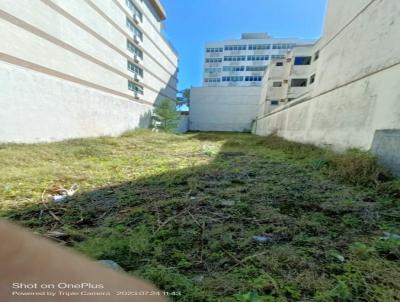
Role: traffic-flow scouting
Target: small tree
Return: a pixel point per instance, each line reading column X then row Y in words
column 165, row 116
column 183, row 99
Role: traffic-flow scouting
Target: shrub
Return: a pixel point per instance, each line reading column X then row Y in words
column 357, row 167
column 166, row 116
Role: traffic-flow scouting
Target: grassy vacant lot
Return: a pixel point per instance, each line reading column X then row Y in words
column 183, row 210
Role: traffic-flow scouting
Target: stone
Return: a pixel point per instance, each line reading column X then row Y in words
column 110, row 264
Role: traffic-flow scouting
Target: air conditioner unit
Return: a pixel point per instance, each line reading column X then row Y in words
column 136, row 95
column 136, row 40
column 136, row 19
column 136, row 78
column 136, row 59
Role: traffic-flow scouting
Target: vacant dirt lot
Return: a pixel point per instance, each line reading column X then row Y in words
column 216, row 217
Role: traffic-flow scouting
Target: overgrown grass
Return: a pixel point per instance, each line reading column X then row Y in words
column 183, row 211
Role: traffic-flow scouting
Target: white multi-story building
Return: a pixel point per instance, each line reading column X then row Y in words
column 81, row 68
column 242, row 62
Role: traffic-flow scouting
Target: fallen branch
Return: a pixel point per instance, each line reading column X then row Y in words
column 54, row 216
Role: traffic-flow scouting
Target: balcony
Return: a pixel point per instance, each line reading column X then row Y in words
column 136, row 19
column 136, row 59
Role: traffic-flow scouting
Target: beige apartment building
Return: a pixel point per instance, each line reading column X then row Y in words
column 81, row 68
column 290, row 78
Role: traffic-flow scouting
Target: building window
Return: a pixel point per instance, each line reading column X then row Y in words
column 256, row 68
column 253, row 79
column 277, row 84
column 212, row 70
column 235, row 47
column 274, row 103
column 135, row 69
column 213, row 60
column 316, row 55
column 312, row 79
column 234, row 58
column 135, row 11
column 133, row 49
column 279, row 64
column 232, row 79
column 302, row 60
column 298, row 83
column 259, row 46
column 214, row 49
column 135, row 88
column 258, row 58
column 233, row 68
column 212, row 80
column 135, row 31
column 283, row 46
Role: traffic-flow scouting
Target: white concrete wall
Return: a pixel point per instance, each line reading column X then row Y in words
column 183, row 124
column 81, row 42
column 356, row 90
column 62, row 110
column 223, row 108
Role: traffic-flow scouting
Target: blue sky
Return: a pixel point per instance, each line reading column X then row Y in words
column 192, row 23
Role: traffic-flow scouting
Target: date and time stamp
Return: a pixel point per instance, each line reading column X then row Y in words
column 80, row 289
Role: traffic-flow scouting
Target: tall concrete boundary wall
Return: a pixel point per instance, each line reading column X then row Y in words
column 357, row 92
column 62, row 110
column 223, row 108
column 343, row 118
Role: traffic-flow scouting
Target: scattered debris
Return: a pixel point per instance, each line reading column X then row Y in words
column 54, row 216
column 228, row 202
column 387, row 235
column 74, row 188
column 59, row 198
column 111, row 264
column 198, row 278
column 56, row 234
column 263, row 238
column 64, row 193
column 339, row 257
